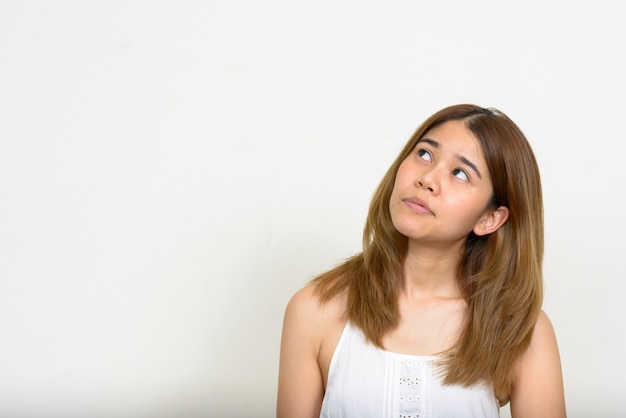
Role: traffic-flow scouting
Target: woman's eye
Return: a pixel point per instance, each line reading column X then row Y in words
column 460, row 174
column 424, row 155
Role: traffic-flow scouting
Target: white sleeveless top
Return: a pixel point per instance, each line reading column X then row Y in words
column 365, row 381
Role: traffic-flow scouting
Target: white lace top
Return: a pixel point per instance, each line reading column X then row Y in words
column 365, row 381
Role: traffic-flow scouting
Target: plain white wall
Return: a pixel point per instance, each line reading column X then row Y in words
column 172, row 171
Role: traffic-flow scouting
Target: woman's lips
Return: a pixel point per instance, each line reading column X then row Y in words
column 418, row 206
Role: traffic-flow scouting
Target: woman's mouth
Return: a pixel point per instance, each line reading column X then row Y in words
column 418, row 206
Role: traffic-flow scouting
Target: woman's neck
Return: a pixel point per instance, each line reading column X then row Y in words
column 430, row 272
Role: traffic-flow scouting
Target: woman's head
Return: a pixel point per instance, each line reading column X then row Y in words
column 515, row 182
column 499, row 273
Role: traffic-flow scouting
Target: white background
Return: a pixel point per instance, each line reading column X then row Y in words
column 172, row 171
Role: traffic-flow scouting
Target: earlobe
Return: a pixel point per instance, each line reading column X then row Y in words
column 491, row 221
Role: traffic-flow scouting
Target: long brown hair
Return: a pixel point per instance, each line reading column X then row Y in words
column 500, row 275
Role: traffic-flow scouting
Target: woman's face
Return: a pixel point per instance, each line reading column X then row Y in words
column 443, row 188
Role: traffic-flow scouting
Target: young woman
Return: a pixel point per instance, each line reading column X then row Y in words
column 440, row 314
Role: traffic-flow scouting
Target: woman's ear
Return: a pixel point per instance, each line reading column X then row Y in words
column 491, row 220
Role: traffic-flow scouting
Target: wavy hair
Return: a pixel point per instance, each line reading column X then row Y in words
column 499, row 275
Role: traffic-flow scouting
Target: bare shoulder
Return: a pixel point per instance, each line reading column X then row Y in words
column 303, row 302
column 314, row 321
column 543, row 345
column 538, row 384
column 306, row 308
column 308, row 327
column 544, row 331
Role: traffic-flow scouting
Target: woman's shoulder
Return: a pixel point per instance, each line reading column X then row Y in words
column 543, row 339
column 304, row 359
column 314, row 326
column 307, row 307
column 538, row 384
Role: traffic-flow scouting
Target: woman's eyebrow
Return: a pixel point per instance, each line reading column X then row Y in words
column 432, row 142
column 470, row 164
column 461, row 158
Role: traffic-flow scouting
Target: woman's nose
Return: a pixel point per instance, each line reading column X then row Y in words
column 428, row 182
